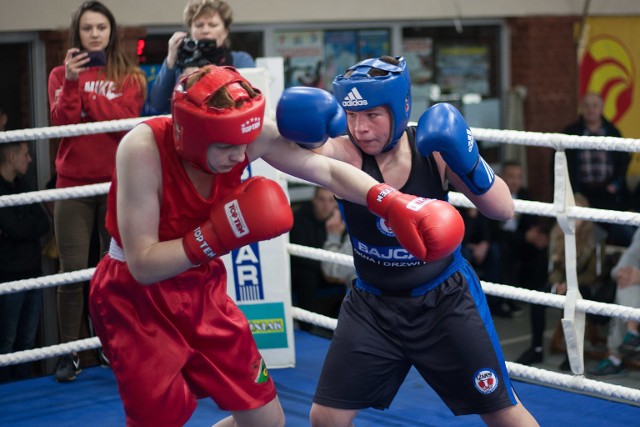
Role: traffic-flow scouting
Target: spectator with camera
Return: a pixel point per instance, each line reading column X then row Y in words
column 207, row 42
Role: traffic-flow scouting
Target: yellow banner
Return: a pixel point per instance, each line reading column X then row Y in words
column 609, row 63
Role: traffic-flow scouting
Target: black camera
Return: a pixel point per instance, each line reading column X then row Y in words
column 198, row 53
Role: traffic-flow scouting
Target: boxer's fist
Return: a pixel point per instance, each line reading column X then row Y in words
column 430, row 229
column 442, row 128
column 257, row 210
column 309, row 116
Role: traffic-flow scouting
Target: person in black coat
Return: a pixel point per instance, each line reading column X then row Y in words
column 312, row 290
column 21, row 228
column 600, row 175
column 523, row 242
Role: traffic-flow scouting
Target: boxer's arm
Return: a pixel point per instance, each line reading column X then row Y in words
column 443, row 129
column 338, row 177
column 496, row 203
column 416, row 230
column 139, row 190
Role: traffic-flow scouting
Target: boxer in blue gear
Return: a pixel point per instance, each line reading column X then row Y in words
column 403, row 311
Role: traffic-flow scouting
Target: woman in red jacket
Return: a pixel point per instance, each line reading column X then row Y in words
column 97, row 82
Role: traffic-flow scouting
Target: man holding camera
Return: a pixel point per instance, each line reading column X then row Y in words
column 207, row 42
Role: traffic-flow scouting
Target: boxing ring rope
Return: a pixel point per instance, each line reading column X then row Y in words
column 562, row 208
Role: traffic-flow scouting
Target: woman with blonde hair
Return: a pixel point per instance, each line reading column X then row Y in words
column 207, row 42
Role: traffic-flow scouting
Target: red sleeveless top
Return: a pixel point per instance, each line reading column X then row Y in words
column 182, row 208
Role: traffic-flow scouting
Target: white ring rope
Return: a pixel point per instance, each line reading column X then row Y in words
column 559, row 141
column 57, row 194
column 51, row 351
column 314, row 318
column 456, row 199
column 46, row 281
column 552, row 140
column 549, row 210
column 574, row 382
column 71, row 130
column 564, row 211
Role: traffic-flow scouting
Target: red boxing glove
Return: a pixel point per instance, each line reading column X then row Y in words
column 430, row 229
column 257, row 210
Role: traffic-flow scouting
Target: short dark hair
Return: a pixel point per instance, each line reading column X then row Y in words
column 7, row 147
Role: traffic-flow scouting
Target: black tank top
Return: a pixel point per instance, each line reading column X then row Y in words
column 379, row 259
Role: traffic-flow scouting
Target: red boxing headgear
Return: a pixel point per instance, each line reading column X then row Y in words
column 197, row 125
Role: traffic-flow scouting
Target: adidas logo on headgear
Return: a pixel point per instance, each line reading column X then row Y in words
column 354, row 99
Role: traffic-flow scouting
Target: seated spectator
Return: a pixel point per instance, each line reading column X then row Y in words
column 478, row 246
column 522, row 245
column 623, row 340
column 311, row 289
column 21, row 228
column 590, row 267
column 338, row 241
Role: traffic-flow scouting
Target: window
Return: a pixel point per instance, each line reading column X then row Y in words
column 316, row 57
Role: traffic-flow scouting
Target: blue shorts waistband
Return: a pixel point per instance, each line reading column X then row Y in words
column 455, row 265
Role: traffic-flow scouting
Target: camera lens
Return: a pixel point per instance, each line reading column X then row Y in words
column 189, row 45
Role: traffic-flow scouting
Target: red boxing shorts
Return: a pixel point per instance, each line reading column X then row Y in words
column 175, row 341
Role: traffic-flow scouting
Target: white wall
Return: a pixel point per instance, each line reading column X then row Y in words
column 30, row 15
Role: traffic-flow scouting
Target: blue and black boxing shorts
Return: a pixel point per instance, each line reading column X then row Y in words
column 446, row 333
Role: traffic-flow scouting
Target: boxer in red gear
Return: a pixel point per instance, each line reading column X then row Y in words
column 158, row 299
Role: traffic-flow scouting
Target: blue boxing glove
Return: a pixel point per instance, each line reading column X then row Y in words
column 442, row 128
column 309, row 116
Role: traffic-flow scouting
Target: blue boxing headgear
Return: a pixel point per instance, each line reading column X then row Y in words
column 360, row 91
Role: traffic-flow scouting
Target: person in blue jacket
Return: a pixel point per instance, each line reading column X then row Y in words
column 207, row 42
